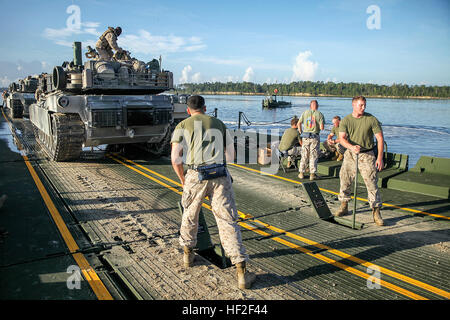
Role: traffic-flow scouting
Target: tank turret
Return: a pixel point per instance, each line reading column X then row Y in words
column 21, row 96
column 122, row 75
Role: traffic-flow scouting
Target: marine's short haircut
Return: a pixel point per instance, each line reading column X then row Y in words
column 314, row 101
column 358, row 98
column 337, row 118
column 294, row 121
column 196, row 102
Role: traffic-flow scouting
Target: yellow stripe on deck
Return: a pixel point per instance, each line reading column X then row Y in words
column 307, row 241
column 91, row 277
column 337, row 193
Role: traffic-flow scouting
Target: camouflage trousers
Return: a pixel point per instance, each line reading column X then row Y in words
column 310, row 151
column 334, row 147
column 221, row 195
column 294, row 151
column 368, row 171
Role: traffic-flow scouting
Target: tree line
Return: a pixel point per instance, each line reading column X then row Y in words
column 318, row 88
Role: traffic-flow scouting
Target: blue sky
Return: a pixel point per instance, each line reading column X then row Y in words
column 258, row 41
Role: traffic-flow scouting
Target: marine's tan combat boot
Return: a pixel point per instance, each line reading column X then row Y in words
column 301, row 175
column 289, row 163
column 377, row 216
column 245, row 278
column 343, row 209
column 188, row 257
column 313, row 177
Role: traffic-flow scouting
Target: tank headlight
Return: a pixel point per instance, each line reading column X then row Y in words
column 63, row 101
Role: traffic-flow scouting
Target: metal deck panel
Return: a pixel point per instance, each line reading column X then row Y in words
column 135, row 211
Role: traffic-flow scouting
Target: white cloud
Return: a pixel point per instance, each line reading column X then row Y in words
column 248, row 74
column 220, row 61
column 145, row 42
column 304, row 69
column 66, row 36
column 196, row 78
column 4, row 82
column 224, row 79
column 141, row 43
column 185, row 75
column 45, row 65
column 232, row 79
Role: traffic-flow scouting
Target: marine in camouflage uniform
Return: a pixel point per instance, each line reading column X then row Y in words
column 290, row 143
column 334, row 146
column 356, row 132
column 108, row 42
column 309, row 125
column 205, row 139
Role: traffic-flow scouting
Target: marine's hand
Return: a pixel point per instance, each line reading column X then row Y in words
column 379, row 164
column 356, row 149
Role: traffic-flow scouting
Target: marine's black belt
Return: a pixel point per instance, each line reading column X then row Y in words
column 365, row 150
column 206, row 166
column 309, row 135
column 211, row 171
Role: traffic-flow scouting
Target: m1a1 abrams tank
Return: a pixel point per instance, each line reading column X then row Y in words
column 21, row 96
column 179, row 102
column 102, row 102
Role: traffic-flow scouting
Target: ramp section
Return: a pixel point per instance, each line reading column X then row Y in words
column 430, row 176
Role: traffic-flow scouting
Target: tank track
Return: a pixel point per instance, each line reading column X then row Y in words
column 67, row 137
column 162, row 148
column 17, row 109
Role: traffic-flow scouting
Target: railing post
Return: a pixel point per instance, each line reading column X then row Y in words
column 355, row 193
column 239, row 122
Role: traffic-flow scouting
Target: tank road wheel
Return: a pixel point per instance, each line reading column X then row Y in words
column 66, row 139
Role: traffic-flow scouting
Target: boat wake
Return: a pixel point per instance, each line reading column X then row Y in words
column 402, row 130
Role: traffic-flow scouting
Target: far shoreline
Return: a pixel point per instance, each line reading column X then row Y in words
column 231, row 93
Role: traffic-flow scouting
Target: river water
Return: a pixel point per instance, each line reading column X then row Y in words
column 411, row 126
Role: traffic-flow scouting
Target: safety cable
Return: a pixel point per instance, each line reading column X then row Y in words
column 248, row 122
